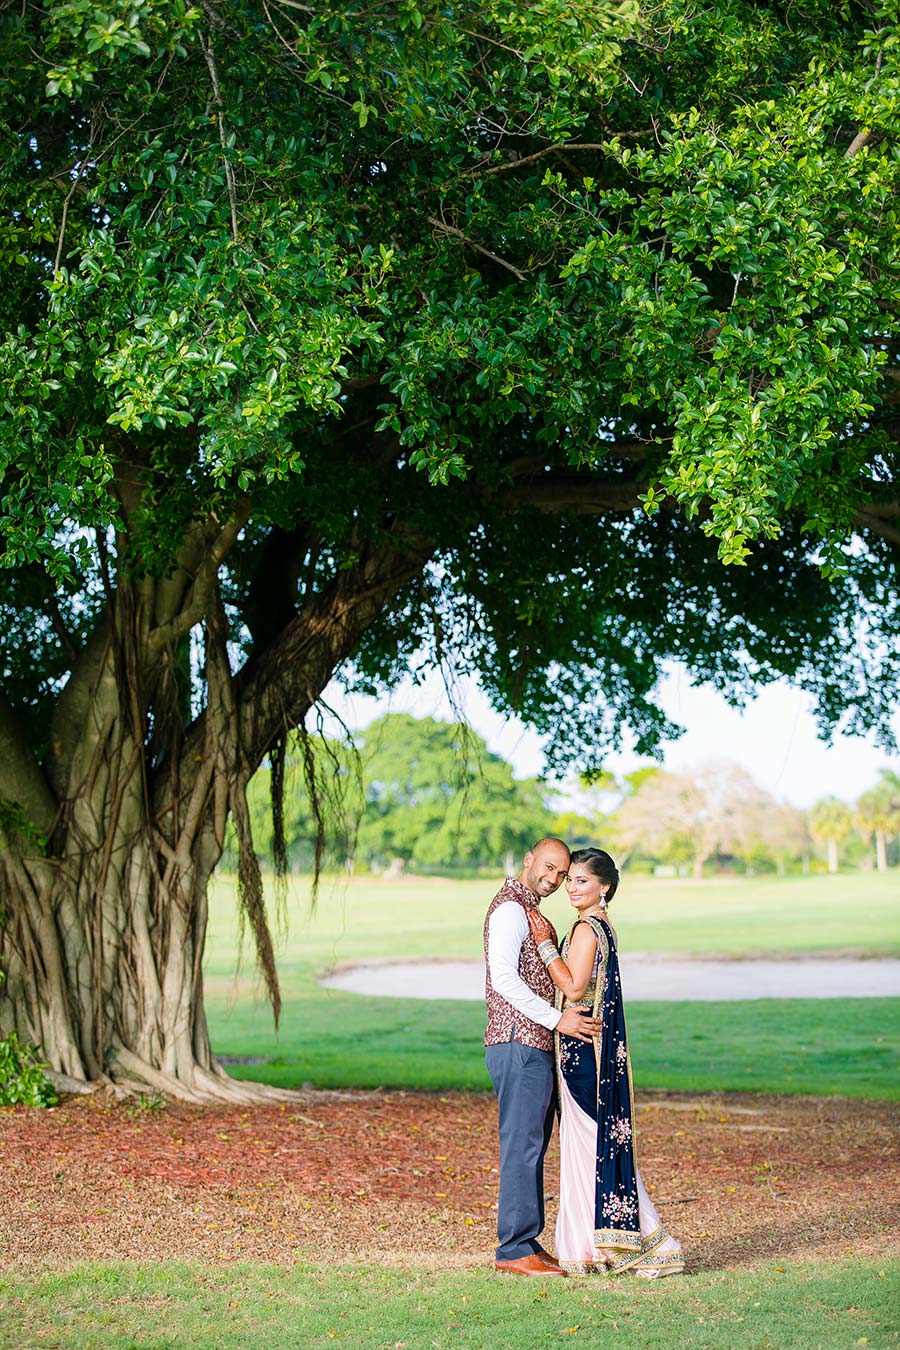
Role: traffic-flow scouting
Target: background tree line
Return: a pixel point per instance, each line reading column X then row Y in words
column 718, row 815
column 428, row 796
column 408, row 793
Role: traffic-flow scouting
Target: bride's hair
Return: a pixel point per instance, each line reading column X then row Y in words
column 600, row 865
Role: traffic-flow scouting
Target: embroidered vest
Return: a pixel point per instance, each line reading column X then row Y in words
column 506, row 1023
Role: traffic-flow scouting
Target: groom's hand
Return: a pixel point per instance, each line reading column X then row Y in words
column 578, row 1025
column 542, row 929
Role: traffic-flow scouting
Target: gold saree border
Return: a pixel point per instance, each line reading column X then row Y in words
column 622, row 1238
column 648, row 1245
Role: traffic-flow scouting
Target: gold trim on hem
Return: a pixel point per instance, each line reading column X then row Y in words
column 583, row 1267
column 648, row 1245
column 659, row 1264
column 618, row 1237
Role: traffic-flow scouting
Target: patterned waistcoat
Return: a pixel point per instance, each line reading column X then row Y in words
column 505, row 1023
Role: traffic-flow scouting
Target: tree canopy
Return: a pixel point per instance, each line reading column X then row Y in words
column 259, row 263
column 547, row 340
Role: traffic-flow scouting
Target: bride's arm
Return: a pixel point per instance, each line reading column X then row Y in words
column 574, row 975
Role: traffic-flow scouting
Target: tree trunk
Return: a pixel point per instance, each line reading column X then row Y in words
column 697, row 869
column 103, row 933
column 832, row 855
column 881, row 850
column 102, row 951
column 103, row 938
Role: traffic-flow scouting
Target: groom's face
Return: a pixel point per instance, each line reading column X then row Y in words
column 545, row 868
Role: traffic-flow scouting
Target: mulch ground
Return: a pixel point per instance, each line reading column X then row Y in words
column 410, row 1179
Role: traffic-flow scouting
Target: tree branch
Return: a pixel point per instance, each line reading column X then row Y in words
column 479, row 248
column 214, row 551
column 859, row 142
column 864, row 138
column 553, row 150
column 62, row 632
column 208, row 52
column 72, row 728
column 21, row 779
column 276, row 692
column 579, row 496
column 867, row 518
column 633, row 450
column 76, row 182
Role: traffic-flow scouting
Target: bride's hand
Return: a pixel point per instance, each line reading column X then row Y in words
column 542, row 929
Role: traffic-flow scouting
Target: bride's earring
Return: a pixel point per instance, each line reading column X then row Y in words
column 602, row 902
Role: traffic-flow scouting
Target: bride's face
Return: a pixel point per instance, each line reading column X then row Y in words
column 584, row 888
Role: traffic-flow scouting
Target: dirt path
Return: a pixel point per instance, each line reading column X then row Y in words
column 410, row 1179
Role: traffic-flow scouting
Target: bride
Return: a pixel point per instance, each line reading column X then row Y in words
column 607, row 1221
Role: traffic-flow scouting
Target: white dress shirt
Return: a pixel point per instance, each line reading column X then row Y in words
column 507, row 930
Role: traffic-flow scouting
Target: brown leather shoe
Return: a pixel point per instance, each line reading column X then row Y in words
column 528, row 1265
column 549, row 1260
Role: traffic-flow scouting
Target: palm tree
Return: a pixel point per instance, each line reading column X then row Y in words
column 878, row 814
column 831, row 822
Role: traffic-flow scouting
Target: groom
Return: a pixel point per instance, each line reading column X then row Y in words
column 519, row 1054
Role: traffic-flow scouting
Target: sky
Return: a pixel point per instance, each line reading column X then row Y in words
column 774, row 738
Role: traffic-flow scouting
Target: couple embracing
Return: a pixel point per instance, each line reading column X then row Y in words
column 556, row 1032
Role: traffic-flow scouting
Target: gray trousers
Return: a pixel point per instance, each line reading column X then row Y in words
column 524, row 1084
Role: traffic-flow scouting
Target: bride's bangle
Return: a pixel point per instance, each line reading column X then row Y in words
column 547, row 952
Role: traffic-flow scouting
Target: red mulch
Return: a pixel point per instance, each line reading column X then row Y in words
column 410, row 1178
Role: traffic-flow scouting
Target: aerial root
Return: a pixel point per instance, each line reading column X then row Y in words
column 73, row 1086
column 131, row 1075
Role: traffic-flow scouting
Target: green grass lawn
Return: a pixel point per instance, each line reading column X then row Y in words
column 420, row 916
column 842, row 1047
column 803, row 1306
column 331, row 1039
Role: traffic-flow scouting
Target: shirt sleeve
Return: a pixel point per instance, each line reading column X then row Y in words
column 507, row 930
